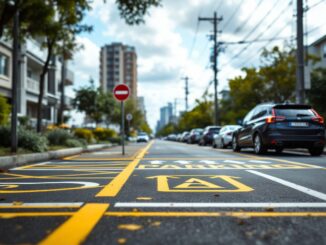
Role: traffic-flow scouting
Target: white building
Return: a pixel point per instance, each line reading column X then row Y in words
column 32, row 60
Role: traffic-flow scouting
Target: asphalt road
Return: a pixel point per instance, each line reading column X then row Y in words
column 166, row 193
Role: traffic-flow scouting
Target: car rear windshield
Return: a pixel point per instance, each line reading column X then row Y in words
column 214, row 130
column 294, row 112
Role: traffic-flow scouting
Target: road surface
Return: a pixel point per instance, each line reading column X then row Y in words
column 166, row 193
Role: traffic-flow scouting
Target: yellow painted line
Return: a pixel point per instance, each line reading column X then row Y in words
column 71, row 157
column 104, row 159
column 216, row 214
column 76, row 229
column 113, row 188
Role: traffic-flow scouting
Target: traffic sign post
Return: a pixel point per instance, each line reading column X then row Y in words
column 121, row 92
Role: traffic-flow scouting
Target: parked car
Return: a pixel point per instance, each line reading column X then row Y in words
column 195, row 135
column 172, row 137
column 224, row 138
column 184, row 136
column 279, row 126
column 208, row 134
column 142, row 137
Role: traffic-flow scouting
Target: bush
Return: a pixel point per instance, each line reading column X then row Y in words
column 74, row 143
column 102, row 134
column 59, row 136
column 4, row 111
column 31, row 140
column 115, row 140
column 83, row 133
column 27, row 139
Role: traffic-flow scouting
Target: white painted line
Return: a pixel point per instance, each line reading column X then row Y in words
column 68, row 169
column 105, row 153
column 83, row 183
column 43, row 205
column 37, row 164
column 258, row 161
column 183, row 162
column 231, row 161
column 157, row 162
column 209, row 162
column 219, row 205
column 301, row 188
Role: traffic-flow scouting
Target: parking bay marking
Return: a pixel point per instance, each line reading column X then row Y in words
column 196, row 183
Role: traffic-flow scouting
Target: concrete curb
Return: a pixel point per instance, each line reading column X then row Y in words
column 24, row 159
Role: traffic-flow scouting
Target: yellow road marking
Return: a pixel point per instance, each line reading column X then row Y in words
column 293, row 162
column 76, row 229
column 34, row 214
column 113, row 188
column 47, row 190
column 71, row 157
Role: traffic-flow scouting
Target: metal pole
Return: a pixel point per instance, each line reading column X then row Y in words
column 300, row 93
column 216, row 118
column 62, row 98
column 123, row 127
column 15, row 77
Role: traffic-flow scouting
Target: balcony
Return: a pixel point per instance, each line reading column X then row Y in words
column 68, row 103
column 33, row 86
column 34, row 48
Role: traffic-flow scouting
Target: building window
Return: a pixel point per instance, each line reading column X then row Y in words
column 4, row 65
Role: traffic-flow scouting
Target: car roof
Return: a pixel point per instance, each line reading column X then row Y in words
column 286, row 105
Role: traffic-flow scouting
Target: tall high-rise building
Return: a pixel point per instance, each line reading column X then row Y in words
column 118, row 64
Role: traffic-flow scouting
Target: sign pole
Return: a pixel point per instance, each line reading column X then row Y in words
column 123, row 127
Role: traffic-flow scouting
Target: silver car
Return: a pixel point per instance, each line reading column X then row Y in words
column 224, row 138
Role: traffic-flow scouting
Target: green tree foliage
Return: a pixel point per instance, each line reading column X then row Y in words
column 4, row 111
column 274, row 81
column 316, row 94
column 199, row 117
column 170, row 128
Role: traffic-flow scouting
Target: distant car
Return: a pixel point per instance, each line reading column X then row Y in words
column 224, row 138
column 142, row 137
column 179, row 137
column 208, row 135
column 195, row 135
column 184, row 136
column 279, row 126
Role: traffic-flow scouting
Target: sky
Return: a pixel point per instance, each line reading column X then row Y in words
column 173, row 44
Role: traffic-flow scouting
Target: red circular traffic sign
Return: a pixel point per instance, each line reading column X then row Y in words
column 121, row 92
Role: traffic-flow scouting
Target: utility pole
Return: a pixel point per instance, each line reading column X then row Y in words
column 186, row 91
column 215, row 20
column 300, row 92
column 15, row 82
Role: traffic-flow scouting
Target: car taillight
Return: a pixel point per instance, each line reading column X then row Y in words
column 318, row 118
column 274, row 118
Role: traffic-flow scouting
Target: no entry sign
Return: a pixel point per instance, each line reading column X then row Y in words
column 121, row 92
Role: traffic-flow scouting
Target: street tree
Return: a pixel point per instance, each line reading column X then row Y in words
column 316, row 95
column 4, row 110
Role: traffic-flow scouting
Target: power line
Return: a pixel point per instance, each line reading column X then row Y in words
column 254, row 41
column 262, row 33
column 314, row 5
column 232, row 16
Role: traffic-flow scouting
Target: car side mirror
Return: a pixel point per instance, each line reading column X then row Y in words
column 240, row 122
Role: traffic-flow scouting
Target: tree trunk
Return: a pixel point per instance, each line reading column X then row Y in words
column 42, row 80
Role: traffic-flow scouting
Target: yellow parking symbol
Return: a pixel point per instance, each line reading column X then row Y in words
column 199, row 183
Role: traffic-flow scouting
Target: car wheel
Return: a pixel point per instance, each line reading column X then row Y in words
column 258, row 145
column 235, row 145
column 279, row 150
column 214, row 145
column 317, row 151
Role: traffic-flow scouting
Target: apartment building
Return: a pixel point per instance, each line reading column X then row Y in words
column 32, row 59
column 118, row 64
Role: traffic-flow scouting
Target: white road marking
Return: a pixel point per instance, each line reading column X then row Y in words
column 258, row 161
column 83, row 183
column 157, row 162
column 219, row 205
column 37, row 164
column 231, row 161
column 183, row 162
column 301, row 188
column 43, row 205
column 209, row 162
